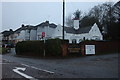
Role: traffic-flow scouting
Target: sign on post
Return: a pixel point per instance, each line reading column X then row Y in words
column 89, row 49
column 43, row 34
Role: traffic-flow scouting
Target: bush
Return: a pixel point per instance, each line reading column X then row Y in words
column 30, row 48
column 52, row 47
column 4, row 50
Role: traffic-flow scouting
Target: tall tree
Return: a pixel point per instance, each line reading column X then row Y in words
column 116, row 12
column 102, row 14
column 115, row 22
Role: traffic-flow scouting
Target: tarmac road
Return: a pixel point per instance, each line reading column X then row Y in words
column 99, row 66
column 12, row 70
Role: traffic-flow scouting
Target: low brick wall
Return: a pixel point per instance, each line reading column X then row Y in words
column 64, row 49
column 102, row 47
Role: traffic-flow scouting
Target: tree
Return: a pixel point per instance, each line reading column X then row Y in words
column 69, row 19
column 114, row 28
column 87, row 21
column 102, row 15
column 77, row 14
column 116, row 12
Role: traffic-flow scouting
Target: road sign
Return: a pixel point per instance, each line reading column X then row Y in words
column 43, row 34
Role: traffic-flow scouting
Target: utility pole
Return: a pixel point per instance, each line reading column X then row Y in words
column 63, row 17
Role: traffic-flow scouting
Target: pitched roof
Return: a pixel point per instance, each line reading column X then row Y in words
column 7, row 33
column 27, row 27
column 30, row 27
column 52, row 25
column 78, row 31
column 44, row 24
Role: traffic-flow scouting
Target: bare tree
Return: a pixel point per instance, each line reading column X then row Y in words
column 69, row 19
column 77, row 14
column 116, row 12
column 102, row 13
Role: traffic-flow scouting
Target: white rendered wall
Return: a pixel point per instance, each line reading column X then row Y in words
column 21, row 35
column 57, row 32
column 76, row 24
column 33, row 35
column 95, row 33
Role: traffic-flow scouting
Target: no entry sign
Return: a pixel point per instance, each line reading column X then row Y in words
column 43, row 34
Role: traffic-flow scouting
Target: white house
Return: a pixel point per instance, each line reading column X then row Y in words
column 47, row 28
column 74, row 34
column 25, row 33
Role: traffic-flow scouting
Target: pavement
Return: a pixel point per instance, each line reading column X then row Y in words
column 96, row 66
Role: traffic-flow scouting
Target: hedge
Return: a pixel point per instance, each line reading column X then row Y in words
column 52, row 47
column 30, row 48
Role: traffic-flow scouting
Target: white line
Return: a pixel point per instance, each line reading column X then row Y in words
column 20, row 73
column 7, row 60
column 34, row 67
column 42, row 70
column 4, row 63
column 38, row 68
column 25, row 65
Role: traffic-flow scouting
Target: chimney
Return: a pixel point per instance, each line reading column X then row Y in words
column 22, row 25
column 47, row 23
column 76, row 23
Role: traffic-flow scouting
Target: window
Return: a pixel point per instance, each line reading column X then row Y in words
column 74, row 41
column 96, row 38
column 83, row 38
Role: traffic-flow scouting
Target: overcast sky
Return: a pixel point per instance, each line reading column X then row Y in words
column 16, row 13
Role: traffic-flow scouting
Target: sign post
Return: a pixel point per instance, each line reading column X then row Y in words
column 43, row 36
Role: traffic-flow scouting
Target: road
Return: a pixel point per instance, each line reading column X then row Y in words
column 97, row 66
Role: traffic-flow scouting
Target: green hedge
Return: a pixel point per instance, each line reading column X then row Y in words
column 30, row 48
column 52, row 47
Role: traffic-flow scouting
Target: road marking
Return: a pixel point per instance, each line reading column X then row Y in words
column 42, row 70
column 6, row 60
column 38, row 68
column 20, row 73
column 4, row 63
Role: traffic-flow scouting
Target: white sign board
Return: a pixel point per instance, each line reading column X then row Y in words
column 90, row 49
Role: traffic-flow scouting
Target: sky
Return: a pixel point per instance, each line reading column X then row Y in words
column 13, row 14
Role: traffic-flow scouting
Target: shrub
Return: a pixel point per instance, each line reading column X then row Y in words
column 52, row 47
column 30, row 48
column 4, row 50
